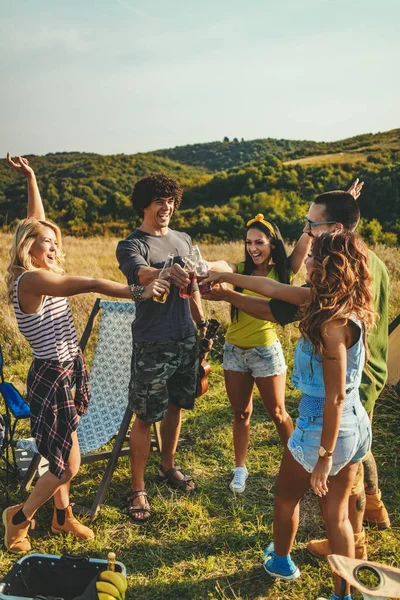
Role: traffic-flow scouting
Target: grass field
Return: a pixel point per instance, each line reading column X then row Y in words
column 207, row 546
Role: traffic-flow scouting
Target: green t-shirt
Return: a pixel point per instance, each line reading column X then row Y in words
column 375, row 374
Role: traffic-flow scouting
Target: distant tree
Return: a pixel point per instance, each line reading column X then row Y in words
column 236, row 140
column 226, row 140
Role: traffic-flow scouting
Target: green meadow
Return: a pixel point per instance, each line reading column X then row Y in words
column 206, row 546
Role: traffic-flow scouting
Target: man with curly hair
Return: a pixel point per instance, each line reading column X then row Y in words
column 165, row 355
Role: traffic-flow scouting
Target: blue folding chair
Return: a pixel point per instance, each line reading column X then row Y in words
column 16, row 409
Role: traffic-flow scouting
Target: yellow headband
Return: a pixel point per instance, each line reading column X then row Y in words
column 260, row 219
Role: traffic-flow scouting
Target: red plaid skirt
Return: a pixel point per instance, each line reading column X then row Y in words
column 54, row 410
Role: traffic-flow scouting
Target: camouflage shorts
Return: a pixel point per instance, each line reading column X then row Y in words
column 163, row 373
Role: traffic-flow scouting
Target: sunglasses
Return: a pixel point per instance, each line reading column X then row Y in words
column 312, row 224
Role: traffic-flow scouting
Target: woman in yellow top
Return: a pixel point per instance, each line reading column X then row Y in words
column 253, row 353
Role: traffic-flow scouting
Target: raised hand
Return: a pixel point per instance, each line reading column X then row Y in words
column 21, row 165
column 355, row 188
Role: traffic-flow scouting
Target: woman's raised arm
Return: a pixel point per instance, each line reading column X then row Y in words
column 35, row 204
column 262, row 285
column 302, row 248
column 46, row 283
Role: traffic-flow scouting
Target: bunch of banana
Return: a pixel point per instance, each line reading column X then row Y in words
column 111, row 585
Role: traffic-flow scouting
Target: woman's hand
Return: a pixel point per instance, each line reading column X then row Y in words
column 214, row 277
column 218, row 293
column 319, row 476
column 156, row 288
column 21, row 165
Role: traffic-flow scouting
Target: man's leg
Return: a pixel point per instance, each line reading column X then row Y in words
column 375, row 512
column 148, row 398
column 139, row 442
column 182, row 392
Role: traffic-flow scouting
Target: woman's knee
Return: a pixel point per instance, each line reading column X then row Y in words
column 242, row 416
column 278, row 414
column 335, row 513
column 70, row 472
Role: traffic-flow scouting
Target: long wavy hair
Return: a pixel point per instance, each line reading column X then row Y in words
column 21, row 259
column 278, row 258
column 340, row 285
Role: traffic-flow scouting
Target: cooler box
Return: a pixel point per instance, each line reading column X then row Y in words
column 60, row 577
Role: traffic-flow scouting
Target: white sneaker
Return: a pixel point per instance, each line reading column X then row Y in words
column 238, row 483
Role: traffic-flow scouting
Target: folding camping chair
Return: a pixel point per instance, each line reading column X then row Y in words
column 16, row 409
column 108, row 412
column 386, row 583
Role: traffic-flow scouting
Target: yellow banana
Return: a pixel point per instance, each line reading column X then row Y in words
column 116, row 579
column 103, row 596
column 107, row 588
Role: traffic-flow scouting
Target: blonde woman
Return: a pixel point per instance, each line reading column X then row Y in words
column 38, row 290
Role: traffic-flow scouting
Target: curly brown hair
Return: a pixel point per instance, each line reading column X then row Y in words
column 340, row 285
column 155, row 185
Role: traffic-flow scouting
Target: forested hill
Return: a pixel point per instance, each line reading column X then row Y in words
column 225, row 183
column 218, row 156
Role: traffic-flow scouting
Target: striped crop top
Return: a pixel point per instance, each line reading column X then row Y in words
column 51, row 331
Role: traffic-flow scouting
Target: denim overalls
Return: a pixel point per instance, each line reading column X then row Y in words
column 354, row 438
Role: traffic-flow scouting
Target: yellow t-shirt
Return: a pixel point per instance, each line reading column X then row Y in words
column 247, row 331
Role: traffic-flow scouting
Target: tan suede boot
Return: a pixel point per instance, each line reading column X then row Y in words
column 375, row 513
column 16, row 536
column 321, row 548
column 70, row 525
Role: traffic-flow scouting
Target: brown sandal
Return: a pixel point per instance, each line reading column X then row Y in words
column 134, row 510
column 177, row 484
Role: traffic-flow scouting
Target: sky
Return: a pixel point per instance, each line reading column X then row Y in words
column 127, row 76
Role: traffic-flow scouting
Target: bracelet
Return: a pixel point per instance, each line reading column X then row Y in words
column 201, row 324
column 137, row 291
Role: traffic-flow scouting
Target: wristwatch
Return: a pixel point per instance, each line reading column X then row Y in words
column 201, row 324
column 323, row 452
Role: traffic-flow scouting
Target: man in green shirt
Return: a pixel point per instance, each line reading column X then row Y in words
column 330, row 211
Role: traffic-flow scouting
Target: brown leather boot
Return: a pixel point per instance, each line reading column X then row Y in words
column 70, row 525
column 16, row 536
column 321, row 548
column 375, row 513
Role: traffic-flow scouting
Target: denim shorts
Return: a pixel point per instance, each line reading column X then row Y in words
column 352, row 445
column 263, row 361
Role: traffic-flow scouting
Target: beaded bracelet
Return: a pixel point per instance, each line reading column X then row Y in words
column 137, row 291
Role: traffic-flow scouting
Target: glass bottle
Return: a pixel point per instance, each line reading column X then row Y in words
column 164, row 274
column 190, row 261
column 202, row 273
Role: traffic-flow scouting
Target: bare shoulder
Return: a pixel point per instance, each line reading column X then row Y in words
column 334, row 332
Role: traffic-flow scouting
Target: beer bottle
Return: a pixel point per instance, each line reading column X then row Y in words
column 164, row 275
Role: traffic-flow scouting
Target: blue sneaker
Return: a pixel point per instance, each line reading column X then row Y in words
column 288, row 571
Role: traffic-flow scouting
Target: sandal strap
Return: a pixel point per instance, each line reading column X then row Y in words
column 170, row 471
column 137, row 494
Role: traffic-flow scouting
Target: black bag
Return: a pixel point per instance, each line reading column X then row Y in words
column 58, row 577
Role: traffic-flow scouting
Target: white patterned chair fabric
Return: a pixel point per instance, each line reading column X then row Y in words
column 109, row 376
